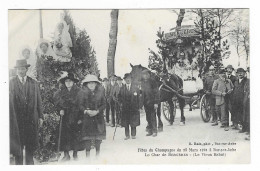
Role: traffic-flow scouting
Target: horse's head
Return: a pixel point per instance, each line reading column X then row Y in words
column 136, row 73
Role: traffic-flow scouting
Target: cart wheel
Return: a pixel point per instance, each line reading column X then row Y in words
column 166, row 110
column 204, row 109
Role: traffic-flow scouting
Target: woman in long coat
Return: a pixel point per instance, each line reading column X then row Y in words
column 92, row 104
column 66, row 102
column 129, row 96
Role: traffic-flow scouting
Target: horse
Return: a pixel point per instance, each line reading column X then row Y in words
column 170, row 85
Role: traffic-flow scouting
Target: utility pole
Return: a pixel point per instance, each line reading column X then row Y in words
column 41, row 30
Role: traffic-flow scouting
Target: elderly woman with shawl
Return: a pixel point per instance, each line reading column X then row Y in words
column 92, row 105
column 66, row 102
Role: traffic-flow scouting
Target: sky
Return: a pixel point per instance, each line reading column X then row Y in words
column 136, row 33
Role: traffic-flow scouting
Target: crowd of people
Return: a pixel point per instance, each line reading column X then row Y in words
column 86, row 107
column 227, row 95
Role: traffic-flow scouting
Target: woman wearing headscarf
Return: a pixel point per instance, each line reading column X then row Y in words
column 66, row 102
column 92, row 105
column 27, row 54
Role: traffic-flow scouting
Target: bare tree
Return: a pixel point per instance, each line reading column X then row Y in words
column 239, row 35
column 112, row 42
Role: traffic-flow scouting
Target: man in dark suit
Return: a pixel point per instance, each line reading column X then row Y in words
column 111, row 88
column 238, row 97
column 151, row 99
column 129, row 96
column 232, row 78
column 27, row 108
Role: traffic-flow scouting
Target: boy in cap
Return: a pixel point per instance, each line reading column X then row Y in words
column 221, row 88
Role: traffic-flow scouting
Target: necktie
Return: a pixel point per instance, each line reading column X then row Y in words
column 128, row 87
column 22, row 80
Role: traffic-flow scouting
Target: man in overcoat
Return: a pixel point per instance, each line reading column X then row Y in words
column 246, row 108
column 110, row 91
column 238, row 97
column 118, row 104
column 129, row 96
column 221, row 88
column 151, row 99
column 27, row 108
column 207, row 86
column 232, row 78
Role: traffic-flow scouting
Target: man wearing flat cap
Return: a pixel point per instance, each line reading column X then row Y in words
column 238, row 96
column 27, row 108
column 151, row 99
column 221, row 88
column 207, row 87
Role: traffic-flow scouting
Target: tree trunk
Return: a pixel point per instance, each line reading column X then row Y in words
column 112, row 43
column 178, row 28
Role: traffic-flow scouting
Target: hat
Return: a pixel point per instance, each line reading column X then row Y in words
column 211, row 67
column 21, row 63
column 240, row 70
column 230, row 67
column 90, row 78
column 66, row 76
column 105, row 79
column 119, row 78
column 127, row 75
column 222, row 71
column 113, row 77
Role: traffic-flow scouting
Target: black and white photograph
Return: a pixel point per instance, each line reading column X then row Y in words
column 129, row 86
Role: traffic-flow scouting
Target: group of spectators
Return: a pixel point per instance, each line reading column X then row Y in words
column 227, row 95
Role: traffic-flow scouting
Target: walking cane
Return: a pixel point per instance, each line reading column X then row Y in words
column 60, row 127
column 116, row 105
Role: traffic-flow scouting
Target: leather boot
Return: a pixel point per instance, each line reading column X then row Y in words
column 66, row 156
column 88, row 154
column 75, row 155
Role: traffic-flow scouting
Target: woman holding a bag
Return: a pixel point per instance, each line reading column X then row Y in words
column 92, row 104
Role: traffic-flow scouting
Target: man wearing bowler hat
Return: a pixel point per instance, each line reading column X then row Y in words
column 238, row 96
column 27, row 108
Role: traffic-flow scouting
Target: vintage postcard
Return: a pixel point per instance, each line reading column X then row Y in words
column 129, row 86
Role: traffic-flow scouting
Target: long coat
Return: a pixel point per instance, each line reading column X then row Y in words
column 93, row 127
column 208, row 83
column 238, row 93
column 15, row 144
column 27, row 105
column 246, row 102
column 221, row 86
column 69, row 102
column 130, row 105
